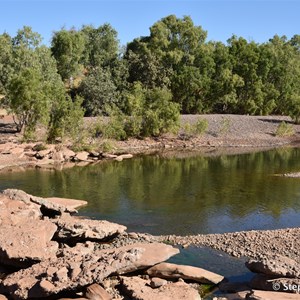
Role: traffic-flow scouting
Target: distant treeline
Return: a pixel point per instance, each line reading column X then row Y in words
column 172, row 70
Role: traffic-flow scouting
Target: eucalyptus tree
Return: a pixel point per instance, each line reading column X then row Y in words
column 35, row 92
column 67, row 47
column 166, row 57
column 101, row 46
column 6, row 69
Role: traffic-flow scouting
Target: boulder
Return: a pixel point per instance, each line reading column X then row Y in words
column 94, row 154
column 139, row 289
column 157, row 282
column 57, row 156
column 13, row 212
column 275, row 265
column 96, row 292
column 82, row 156
column 26, row 243
column 174, row 271
column 264, row 295
column 43, row 153
column 75, row 229
column 68, row 154
column 269, row 283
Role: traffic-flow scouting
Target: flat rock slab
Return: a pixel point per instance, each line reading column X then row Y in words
column 264, row 295
column 174, row 271
column 71, row 228
column 275, row 265
column 66, row 202
column 46, row 205
column 27, row 243
column 153, row 254
column 138, row 289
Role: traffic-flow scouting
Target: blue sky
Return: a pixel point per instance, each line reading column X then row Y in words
column 254, row 20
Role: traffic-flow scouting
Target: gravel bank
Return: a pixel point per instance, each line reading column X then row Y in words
column 252, row 244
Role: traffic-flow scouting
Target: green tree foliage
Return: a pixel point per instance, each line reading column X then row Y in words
column 101, row 46
column 67, row 47
column 166, row 59
column 148, row 81
column 66, row 118
column 99, row 91
column 151, row 111
column 28, row 100
column 35, row 92
column 6, row 69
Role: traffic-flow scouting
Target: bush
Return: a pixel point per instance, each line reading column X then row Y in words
column 201, row 126
column 193, row 130
column 66, row 119
column 225, row 125
column 152, row 111
column 106, row 146
column 285, row 129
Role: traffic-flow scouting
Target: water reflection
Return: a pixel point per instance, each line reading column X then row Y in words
column 186, row 195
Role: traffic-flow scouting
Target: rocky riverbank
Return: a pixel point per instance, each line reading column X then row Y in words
column 46, row 252
column 226, row 134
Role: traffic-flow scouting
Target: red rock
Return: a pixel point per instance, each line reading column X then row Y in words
column 95, row 266
column 85, row 229
column 68, row 154
column 153, row 254
column 96, row 292
column 57, row 156
column 173, row 271
column 70, row 204
column 137, row 288
column 46, row 205
column 157, row 282
column 275, row 265
column 83, row 156
column 26, row 243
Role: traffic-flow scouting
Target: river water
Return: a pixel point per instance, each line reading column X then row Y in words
column 181, row 194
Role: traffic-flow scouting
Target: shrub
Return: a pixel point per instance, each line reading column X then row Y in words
column 106, row 146
column 201, row 126
column 285, row 129
column 225, row 125
column 192, row 130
